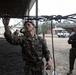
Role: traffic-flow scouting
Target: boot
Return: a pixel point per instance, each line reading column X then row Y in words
column 69, row 73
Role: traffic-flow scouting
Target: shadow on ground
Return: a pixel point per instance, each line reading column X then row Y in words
column 11, row 62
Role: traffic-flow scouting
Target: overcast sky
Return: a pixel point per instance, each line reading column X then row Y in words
column 55, row 7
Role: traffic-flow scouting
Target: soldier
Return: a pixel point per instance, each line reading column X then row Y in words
column 72, row 53
column 34, row 48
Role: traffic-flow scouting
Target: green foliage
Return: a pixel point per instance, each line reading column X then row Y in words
column 45, row 27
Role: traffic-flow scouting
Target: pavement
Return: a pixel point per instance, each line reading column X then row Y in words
column 48, row 36
column 11, row 62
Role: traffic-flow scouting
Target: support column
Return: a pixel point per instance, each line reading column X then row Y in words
column 36, row 16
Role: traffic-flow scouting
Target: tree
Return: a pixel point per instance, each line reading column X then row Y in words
column 45, row 27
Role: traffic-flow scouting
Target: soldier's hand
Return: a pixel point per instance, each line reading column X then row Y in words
column 5, row 19
column 48, row 65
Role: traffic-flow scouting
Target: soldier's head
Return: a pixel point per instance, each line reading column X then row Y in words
column 74, row 29
column 29, row 26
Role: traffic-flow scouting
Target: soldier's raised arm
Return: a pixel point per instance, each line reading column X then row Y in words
column 6, row 21
column 8, row 34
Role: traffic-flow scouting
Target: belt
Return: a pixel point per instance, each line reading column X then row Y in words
column 34, row 62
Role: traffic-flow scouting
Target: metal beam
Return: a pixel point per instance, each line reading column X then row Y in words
column 36, row 16
column 30, row 6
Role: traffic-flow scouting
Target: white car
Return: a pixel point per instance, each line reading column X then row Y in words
column 63, row 34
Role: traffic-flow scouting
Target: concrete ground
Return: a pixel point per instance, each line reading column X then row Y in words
column 61, row 54
column 11, row 62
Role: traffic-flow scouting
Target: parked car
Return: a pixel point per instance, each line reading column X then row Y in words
column 63, row 34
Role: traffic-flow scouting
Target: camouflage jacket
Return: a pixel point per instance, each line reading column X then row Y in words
column 72, row 40
column 33, row 49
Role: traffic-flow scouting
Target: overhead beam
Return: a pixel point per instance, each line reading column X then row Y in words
column 30, row 6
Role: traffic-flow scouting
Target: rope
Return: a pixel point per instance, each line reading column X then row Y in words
column 53, row 48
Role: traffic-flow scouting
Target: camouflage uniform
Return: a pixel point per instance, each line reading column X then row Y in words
column 33, row 50
column 72, row 53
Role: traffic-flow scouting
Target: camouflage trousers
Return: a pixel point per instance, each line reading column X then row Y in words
column 72, row 56
column 34, row 69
